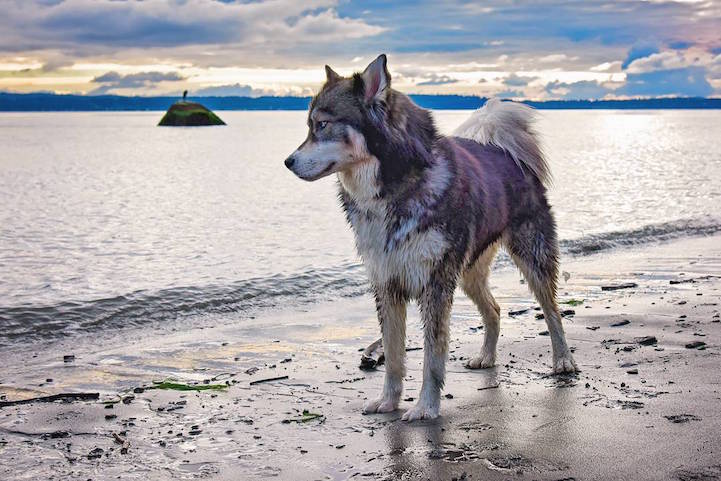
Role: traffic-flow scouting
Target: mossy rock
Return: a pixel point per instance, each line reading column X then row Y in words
column 189, row 114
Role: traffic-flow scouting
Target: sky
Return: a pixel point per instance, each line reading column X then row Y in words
column 543, row 49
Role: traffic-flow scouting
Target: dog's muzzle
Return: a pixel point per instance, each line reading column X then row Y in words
column 290, row 161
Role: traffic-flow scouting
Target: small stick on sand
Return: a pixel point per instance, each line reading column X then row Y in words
column 260, row 381
column 489, row 387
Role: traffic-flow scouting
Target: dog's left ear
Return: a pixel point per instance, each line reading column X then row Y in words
column 330, row 74
column 376, row 79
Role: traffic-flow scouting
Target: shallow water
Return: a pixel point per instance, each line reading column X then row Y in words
column 106, row 220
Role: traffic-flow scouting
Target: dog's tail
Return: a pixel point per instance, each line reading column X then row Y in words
column 509, row 126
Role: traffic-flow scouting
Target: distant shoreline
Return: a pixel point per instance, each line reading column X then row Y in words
column 46, row 102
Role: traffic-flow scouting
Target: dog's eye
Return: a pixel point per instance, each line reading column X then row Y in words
column 321, row 125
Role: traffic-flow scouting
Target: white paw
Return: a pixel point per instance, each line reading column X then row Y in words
column 420, row 411
column 380, row 405
column 485, row 360
column 564, row 363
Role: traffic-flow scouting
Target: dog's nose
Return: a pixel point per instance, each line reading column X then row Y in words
column 290, row 161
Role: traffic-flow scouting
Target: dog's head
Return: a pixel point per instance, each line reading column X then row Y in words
column 336, row 120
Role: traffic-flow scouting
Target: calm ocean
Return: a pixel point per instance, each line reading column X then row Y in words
column 107, row 220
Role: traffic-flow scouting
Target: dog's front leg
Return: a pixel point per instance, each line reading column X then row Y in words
column 435, row 305
column 392, row 317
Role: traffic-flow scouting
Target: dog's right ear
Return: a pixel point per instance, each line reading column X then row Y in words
column 331, row 75
column 375, row 80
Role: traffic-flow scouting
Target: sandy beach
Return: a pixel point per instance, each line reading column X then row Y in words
column 643, row 323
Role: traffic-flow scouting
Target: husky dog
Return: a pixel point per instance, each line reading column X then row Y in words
column 429, row 211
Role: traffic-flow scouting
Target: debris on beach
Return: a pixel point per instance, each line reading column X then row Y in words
column 616, row 287
column 303, row 418
column 624, row 322
column 72, row 396
column 269, row 379
column 368, row 361
column 95, row 453
column 573, row 302
column 177, row 386
column 682, row 418
column 647, row 340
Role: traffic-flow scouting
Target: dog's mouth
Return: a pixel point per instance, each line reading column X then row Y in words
column 322, row 173
column 328, row 169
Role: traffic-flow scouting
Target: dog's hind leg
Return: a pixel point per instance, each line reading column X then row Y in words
column 435, row 305
column 475, row 284
column 391, row 309
column 534, row 248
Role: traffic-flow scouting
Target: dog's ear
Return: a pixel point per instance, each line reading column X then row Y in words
column 331, row 75
column 376, row 79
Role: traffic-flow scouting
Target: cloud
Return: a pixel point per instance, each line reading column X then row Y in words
column 435, row 79
column 514, row 80
column 112, row 81
column 686, row 73
column 509, row 94
column 554, row 58
column 659, row 61
column 101, row 27
column 607, row 66
column 234, row 90
column 681, row 82
column 639, row 51
column 584, row 89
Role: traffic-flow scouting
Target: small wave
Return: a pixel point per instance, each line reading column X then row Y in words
column 141, row 308
column 642, row 235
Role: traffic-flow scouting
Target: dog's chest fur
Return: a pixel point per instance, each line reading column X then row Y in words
column 395, row 250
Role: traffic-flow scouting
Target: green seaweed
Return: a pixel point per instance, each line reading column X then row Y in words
column 304, row 418
column 177, row 386
column 573, row 302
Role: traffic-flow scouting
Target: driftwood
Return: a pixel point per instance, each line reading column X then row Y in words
column 70, row 396
column 260, row 381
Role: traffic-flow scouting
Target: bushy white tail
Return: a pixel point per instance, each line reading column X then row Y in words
column 509, row 126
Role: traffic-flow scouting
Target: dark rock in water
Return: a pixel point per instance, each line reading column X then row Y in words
column 189, row 114
column 69, row 358
column 696, row 345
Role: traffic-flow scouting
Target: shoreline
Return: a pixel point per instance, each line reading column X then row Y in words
column 512, row 420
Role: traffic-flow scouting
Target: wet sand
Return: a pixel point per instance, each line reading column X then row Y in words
column 640, row 409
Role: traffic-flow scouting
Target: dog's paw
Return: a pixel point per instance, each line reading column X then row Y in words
column 380, row 405
column 420, row 411
column 484, row 361
column 564, row 364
